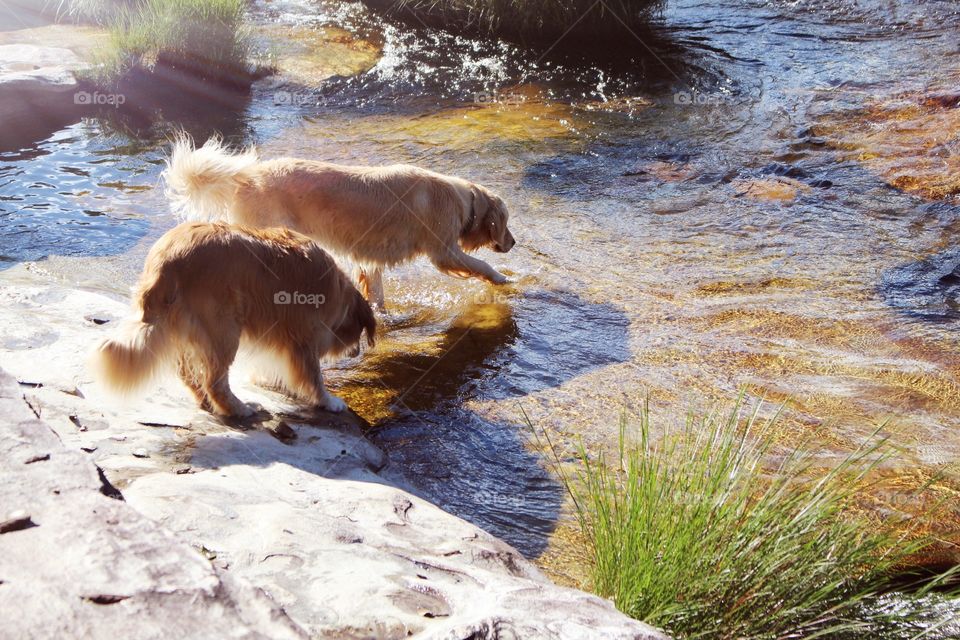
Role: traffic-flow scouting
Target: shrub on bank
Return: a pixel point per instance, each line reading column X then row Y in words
column 697, row 534
column 208, row 39
column 542, row 21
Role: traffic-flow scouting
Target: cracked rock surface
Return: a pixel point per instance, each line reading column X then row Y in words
column 75, row 562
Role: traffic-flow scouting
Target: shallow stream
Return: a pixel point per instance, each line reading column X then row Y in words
column 741, row 200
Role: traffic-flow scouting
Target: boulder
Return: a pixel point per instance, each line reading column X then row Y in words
column 296, row 505
column 38, row 89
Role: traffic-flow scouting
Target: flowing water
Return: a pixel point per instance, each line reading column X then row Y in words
column 739, row 200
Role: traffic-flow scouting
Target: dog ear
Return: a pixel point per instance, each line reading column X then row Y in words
column 364, row 317
column 479, row 207
column 495, row 220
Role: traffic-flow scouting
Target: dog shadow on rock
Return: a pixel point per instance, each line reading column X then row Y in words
column 413, row 405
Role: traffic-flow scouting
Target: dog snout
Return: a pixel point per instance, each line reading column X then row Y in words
column 506, row 245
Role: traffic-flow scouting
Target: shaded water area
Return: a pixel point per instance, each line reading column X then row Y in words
column 725, row 205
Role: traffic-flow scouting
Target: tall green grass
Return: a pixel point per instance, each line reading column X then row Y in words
column 102, row 12
column 700, row 534
column 207, row 38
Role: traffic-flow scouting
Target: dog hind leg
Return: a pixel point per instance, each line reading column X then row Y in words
column 217, row 355
column 190, row 373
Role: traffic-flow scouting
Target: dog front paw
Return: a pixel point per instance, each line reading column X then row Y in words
column 334, row 404
column 235, row 411
column 245, row 411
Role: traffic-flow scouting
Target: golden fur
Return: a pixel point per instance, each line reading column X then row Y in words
column 206, row 287
column 376, row 217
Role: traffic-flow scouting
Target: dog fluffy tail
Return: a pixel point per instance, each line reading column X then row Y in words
column 201, row 182
column 129, row 360
column 144, row 345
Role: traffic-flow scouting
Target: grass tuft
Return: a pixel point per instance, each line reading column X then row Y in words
column 696, row 533
column 206, row 38
column 101, row 12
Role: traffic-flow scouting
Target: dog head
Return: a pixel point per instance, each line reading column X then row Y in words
column 487, row 226
column 357, row 319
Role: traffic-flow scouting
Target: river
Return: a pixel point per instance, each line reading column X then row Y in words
column 710, row 208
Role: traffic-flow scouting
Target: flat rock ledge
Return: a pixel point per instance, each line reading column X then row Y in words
column 38, row 88
column 77, row 561
column 152, row 520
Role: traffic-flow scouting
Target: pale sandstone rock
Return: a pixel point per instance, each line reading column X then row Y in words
column 311, row 523
column 82, row 564
column 36, row 82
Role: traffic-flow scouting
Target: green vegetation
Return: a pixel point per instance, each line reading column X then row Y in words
column 696, row 535
column 527, row 20
column 206, row 38
column 100, row 12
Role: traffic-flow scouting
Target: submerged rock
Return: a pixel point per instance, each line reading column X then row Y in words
column 344, row 550
column 308, row 56
column 781, row 189
column 912, row 141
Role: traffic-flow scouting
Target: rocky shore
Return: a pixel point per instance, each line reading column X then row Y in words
column 152, row 519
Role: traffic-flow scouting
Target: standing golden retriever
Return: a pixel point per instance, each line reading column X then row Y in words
column 206, row 287
column 376, row 217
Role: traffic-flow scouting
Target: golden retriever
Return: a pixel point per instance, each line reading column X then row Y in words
column 206, row 287
column 376, row 217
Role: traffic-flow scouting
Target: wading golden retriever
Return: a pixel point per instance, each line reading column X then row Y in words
column 375, row 217
column 207, row 287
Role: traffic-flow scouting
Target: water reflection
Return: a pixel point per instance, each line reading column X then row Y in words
column 76, row 193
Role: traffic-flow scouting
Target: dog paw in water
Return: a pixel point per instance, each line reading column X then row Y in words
column 334, row 404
